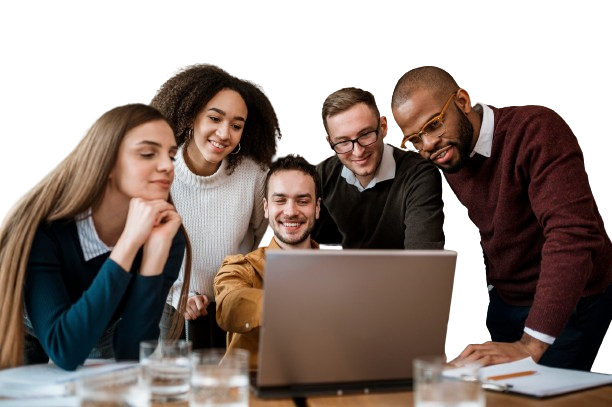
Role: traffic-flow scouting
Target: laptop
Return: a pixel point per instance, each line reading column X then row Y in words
column 346, row 321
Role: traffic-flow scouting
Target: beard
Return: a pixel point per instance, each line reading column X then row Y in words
column 293, row 240
column 463, row 145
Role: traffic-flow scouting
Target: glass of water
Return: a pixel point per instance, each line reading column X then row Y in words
column 220, row 378
column 166, row 369
column 121, row 388
column 431, row 388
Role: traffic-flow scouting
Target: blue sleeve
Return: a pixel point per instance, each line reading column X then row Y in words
column 67, row 329
column 144, row 304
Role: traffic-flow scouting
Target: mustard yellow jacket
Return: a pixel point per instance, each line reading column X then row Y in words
column 239, row 294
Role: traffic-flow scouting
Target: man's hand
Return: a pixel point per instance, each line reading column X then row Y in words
column 492, row 353
column 196, row 307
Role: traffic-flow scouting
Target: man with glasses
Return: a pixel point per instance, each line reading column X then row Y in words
column 374, row 195
column 520, row 173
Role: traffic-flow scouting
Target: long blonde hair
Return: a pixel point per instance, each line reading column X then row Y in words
column 75, row 185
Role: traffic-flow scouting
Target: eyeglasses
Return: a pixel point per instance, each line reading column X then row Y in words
column 364, row 140
column 433, row 128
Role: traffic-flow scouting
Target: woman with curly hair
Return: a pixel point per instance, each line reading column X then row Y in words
column 226, row 129
column 88, row 256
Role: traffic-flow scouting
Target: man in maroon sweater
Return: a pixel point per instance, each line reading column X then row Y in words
column 520, row 173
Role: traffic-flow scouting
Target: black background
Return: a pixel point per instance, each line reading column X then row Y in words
column 50, row 104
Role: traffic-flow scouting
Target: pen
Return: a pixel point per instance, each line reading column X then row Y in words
column 512, row 375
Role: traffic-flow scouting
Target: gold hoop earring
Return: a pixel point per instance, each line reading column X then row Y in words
column 237, row 151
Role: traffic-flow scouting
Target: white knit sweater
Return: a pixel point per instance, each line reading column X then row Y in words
column 223, row 215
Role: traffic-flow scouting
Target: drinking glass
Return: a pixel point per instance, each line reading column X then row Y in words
column 431, row 388
column 121, row 388
column 220, row 378
column 166, row 369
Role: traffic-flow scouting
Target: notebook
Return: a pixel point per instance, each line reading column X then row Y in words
column 531, row 379
column 345, row 321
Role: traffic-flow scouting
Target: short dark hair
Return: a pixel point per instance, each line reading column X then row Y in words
column 430, row 78
column 345, row 98
column 297, row 163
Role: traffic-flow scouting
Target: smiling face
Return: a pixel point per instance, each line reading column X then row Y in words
column 350, row 124
column 217, row 130
column 291, row 208
column 451, row 150
column 144, row 167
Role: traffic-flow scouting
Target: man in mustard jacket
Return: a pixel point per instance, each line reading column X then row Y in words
column 291, row 205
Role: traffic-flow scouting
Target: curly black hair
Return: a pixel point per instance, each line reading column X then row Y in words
column 184, row 95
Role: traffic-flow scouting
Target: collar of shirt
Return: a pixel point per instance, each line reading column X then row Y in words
column 91, row 244
column 485, row 138
column 385, row 171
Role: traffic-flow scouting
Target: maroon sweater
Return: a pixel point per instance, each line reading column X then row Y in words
column 543, row 238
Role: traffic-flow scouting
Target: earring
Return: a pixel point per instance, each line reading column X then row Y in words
column 237, row 151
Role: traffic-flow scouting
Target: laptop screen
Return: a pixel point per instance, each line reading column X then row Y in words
column 332, row 318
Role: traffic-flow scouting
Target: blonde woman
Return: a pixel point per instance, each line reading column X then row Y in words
column 94, row 248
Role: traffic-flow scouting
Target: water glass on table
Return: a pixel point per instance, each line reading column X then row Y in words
column 166, row 369
column 220, row 378
column 121, row 388
column 431, row 388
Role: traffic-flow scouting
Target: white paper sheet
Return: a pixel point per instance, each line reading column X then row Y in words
column 46, row 380
column 545, row 381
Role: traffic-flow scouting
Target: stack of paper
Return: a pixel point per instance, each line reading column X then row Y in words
column 48, row 380
column 527, row 377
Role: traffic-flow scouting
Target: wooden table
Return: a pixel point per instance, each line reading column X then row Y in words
column 253, row 402
column 599, row 397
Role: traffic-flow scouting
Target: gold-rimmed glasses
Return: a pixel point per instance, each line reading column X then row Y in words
column 364, row 140
column 433, row 128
